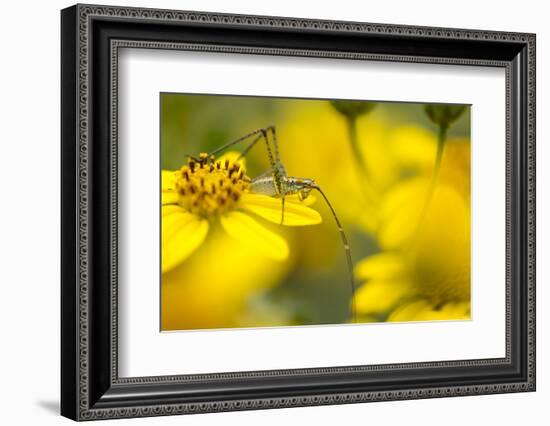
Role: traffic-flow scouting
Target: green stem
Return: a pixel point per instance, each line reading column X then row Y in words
column 351, row 121
column 441, row 138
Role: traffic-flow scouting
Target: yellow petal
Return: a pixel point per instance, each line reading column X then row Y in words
column 400, row 213
column 309, row 201
column 236, row 275
column 168, row 179
column 441, row 250
column 381, row 266
column 246, row 230
column 182, row 234
column 379, row 297
column 168, row 184
column 269, row 208
column 408, row 312
column 169, row 197
column 422, row 310
column 171, row 209
column 450, row 311
column 455, row 166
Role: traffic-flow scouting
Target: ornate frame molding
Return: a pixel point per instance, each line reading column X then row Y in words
column 82, row 16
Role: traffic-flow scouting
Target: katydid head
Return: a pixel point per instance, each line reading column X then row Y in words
column 302, row 186
column 304, row 193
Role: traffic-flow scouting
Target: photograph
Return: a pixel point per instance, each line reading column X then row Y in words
column 283, row 212
column 265, row 209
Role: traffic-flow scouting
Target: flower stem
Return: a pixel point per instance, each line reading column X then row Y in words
column 441, row 138
column 351, row 121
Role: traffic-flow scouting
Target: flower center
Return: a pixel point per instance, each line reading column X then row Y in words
column 209, row 186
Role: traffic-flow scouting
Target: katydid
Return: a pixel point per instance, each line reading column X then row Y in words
column 276, row 183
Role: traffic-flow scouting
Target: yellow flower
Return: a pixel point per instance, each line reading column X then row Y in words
column 385, row 284
column 208, row 190
column 389, row 153
column 423, row 270
column 215, row 287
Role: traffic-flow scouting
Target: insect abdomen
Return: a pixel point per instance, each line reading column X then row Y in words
column 265, row 186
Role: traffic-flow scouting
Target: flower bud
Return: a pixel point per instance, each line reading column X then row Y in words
column 353, row 109
column 444, row 115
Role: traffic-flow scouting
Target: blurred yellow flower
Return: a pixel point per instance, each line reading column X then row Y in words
column 423, row 270
column 208, row 190
column 391, row 154
column 215, row 287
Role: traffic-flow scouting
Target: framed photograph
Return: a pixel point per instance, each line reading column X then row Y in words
column 263, row 212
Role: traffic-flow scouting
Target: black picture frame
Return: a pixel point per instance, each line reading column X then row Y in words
column 90, row 386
